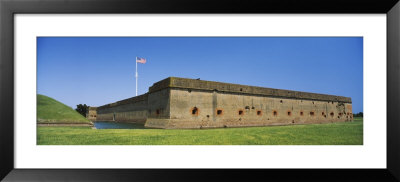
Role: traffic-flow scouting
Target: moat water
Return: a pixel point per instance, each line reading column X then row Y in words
column 115, row 125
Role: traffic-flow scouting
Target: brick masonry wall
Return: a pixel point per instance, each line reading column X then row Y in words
column 186, row 103
column 219, row 109
column 126, row 112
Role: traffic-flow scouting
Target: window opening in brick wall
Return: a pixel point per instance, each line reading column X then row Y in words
column 195, row 111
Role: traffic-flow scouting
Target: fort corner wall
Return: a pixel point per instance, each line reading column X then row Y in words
column 91, row 113
column 159, row 108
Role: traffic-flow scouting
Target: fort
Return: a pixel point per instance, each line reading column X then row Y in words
column 193, row 103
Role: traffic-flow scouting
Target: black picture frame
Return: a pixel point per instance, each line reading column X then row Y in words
column 8, row 8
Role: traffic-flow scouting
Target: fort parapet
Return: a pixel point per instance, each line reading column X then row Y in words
column 190, row 103
column 174, row 82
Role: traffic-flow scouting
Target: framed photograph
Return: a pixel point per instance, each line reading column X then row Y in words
column 155, row 91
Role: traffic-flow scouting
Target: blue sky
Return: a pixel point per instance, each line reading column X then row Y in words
column 100, row 70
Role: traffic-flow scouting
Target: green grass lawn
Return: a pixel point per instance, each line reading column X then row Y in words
column 50, row 110
column 348, row 133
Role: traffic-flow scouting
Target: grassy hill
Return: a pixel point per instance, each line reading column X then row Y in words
column 50, row 110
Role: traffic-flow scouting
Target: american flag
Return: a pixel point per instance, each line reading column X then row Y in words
column 141, row 60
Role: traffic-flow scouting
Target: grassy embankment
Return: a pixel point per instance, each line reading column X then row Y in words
column 348, row 133
column 52, row 111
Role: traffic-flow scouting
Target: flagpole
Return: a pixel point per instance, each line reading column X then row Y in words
column 136, row 75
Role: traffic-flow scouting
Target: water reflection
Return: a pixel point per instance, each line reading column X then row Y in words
column 115, row 125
